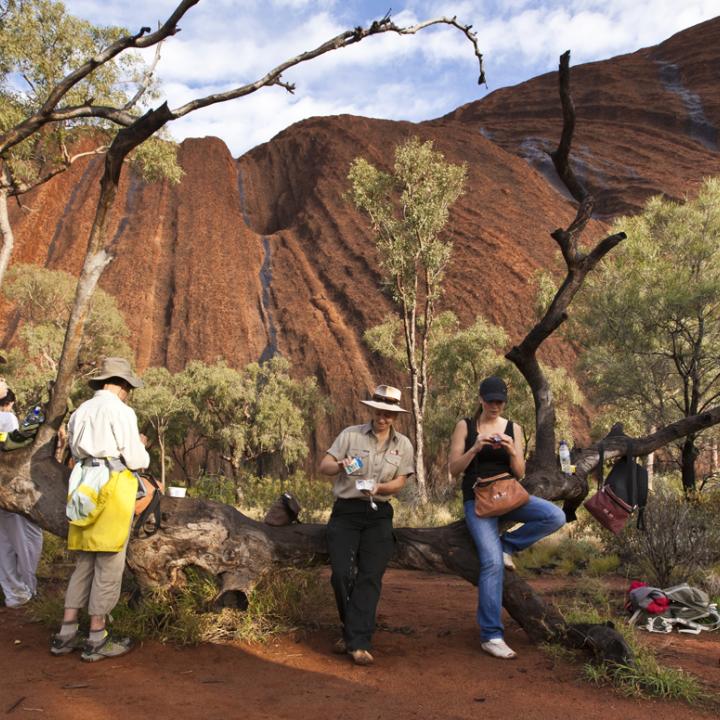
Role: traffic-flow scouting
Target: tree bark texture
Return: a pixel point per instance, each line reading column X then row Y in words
column 6, row 234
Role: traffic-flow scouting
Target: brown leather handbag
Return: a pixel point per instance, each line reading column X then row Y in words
column 609, row 509
column 498, row 495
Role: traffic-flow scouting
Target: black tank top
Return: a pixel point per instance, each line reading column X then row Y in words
column 488, row 462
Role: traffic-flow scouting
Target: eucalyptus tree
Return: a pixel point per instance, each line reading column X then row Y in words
column 165, row 412
column 251, row 414
column 650, row 317
column 408, row 210
column 43, row 299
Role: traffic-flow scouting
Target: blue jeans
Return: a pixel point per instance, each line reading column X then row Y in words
column 540, row 518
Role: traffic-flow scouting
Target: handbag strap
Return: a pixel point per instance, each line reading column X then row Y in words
column 635, row 493
column 472, row 433
column 601, row 466
column 482, row 482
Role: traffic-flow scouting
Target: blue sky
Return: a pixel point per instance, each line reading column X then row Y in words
column 225, row 43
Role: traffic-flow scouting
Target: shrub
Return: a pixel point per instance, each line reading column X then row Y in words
column 566, row 555
column 214, row 487
column 314, row 495
column 285, row 599
column 432, row 514
column 253, row 495
column 603, row 565
column 681, row 537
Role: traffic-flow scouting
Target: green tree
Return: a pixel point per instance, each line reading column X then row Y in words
column 650, row 317
column 252, row 416
column 41, row 43
column 283, row 412
column 408, row 211
column 163, row 404
column 43, row 299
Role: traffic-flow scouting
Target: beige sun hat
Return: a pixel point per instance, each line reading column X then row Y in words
column 115, row 367
column 385, row 397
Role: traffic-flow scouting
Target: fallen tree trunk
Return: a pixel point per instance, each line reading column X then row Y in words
column 239, row 551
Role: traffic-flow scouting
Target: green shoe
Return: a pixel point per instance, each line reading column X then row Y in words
column 65, row 645
column 108, row 648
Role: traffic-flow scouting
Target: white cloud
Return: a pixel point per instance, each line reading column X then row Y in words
column 224, row 43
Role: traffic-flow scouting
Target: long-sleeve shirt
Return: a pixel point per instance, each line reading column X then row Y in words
column 8, row 421
column 105, row 427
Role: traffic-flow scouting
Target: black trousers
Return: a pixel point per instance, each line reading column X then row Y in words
column 361, row 542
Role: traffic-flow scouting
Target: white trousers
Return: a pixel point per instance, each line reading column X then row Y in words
column 20, row 548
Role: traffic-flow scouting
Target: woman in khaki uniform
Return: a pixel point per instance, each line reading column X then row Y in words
column 369, row 464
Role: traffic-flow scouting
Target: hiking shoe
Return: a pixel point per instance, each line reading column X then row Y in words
column 361, row 657
column 65, row 645
column 497, row 648
column 108, row 648
column 508, row 562
column 340, row 647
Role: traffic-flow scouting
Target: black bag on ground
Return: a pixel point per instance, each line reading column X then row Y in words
column 627, row 481
column 284, row 511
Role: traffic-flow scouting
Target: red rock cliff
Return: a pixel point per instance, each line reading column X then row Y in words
column 260, row 255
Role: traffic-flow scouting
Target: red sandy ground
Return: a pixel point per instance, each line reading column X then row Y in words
column 428, row 665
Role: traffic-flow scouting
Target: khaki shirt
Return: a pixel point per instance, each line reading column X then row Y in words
column 381, row 464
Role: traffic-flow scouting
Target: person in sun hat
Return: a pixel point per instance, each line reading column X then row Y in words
column 482, row 447
column 106, row 444
column 369, row 463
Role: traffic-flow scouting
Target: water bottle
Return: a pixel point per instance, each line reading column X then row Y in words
column 34, row 417
column 564, row 453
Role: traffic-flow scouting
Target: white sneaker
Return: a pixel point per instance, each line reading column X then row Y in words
column 508, row 562
column 497, row 648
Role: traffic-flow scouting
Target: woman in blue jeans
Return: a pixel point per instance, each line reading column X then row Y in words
column 482, row 446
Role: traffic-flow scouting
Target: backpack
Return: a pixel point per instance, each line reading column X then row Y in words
column 688, row 609
column 284, row 511
column 147, row 504
column 25, row 434
column 623, row 491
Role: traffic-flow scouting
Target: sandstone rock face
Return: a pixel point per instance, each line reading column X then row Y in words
column 647, row 123
column 260, row 255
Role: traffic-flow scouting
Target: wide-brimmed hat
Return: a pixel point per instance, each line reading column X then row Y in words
column 114, row 367
column 493, row 388
column 385, row 397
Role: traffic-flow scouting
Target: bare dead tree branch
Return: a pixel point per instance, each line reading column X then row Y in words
column 147, row 79
column 20, row 188
column 48, row 113
column 524, row 355
column 344, row 39
column 616, row 446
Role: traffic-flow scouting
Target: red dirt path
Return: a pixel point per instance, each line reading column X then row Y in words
column 428, row 665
